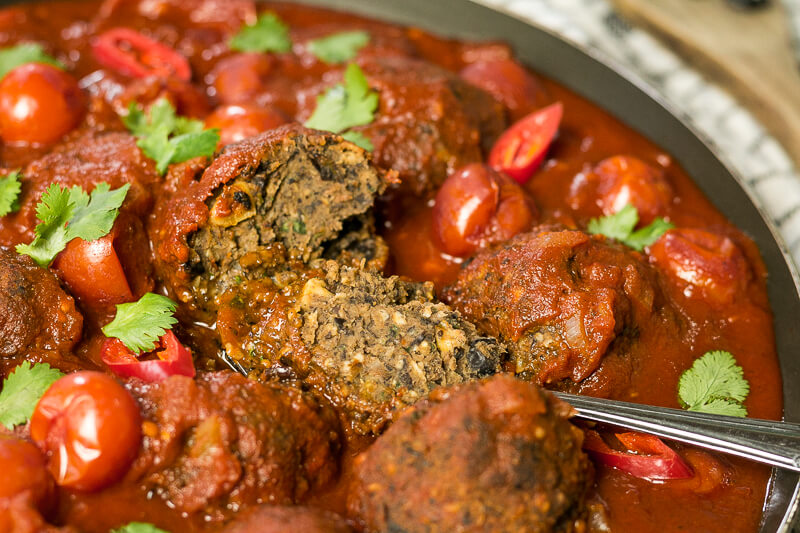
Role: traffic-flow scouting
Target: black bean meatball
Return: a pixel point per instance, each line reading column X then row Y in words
column 495, row 455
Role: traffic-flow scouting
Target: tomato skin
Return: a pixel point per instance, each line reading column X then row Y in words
column 25, row 471
column 89, row 427
column 174, row 359
column 508, row 82
column 520, row 150
column 39, row 103
column 477, row 206
column 237, row 78
column 130, row 53
column 706, row 265
column 237, row 122
column 627, row 180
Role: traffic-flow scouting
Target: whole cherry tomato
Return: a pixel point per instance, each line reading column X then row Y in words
column 477, row 206
column 624, row 180
column 89, row 427
column 237, row 78
column 237, row 122
column 705, row 265
column 508, row 82
column 39, row 103
column 24, row 469
column 520, row 150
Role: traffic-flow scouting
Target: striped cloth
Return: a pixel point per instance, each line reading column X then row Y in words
column 738, row 136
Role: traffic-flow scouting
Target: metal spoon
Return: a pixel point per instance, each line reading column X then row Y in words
column 764, row 441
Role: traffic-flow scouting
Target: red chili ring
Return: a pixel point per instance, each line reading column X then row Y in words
column 130, row 53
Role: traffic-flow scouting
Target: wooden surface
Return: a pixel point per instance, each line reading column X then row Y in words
column 746, row 52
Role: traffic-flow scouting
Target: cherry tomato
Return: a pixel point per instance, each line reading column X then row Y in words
column 93, row 272
column 705, row 264
column 130, row 53
column 239, row 77
column 520, row 150
column 627, row 180
column 645, row 456
column 237, row 122
column 508, row 82
column 24, row 470
column 38, row 104
column 171, row 359
column 89, row 427
column 477, row 206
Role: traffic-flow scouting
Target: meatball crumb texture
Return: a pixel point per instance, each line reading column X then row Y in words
column 494, row 455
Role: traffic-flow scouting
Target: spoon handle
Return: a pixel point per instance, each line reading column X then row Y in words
column 764, row 441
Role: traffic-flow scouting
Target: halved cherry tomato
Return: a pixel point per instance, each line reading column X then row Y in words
column 89, row 427
column 237, row 78
column 93, row 272
column 24, row 470
column 704, row 264
column 627, row 180
column 521, row 148
column 646, row 456
column 237, row 122
column 508, row 82
column 38, row 104
column 130, row 53
column 477, row 206
column 171, row 359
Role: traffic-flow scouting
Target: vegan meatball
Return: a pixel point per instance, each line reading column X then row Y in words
column 290, row 194
column 221, row 442
column 568, row 305
column 371, row 344
column 495, row 455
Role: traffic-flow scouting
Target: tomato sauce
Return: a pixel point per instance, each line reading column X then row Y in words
column 587, row 135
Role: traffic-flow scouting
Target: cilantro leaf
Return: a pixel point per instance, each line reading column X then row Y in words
column 14, row 56
column 339, row 47
column 67, row 214
column 268, row 34
column 140, row 324
column 22, row 390
column 714, row 384
column 167, row 138
column 359, row 139
column 619, row 226
column 345, row 106
column 10, row 188
column 138, row 527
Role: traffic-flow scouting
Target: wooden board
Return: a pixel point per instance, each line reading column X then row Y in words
column 748, row 53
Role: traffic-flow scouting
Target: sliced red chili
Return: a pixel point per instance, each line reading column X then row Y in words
column 520, row 150
column 172, row 359
column 646, row 456
column 130, row 53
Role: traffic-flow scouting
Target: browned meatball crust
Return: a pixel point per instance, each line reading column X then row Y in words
column 221, row 442
column 280, row 519
column 495, row 455
column 568, row 305
column 38, row 320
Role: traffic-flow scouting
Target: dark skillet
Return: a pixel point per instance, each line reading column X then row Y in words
column 609, row 86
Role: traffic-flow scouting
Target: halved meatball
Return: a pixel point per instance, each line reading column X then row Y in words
column 372, row 345
column 280, row 519
column 288, row 195
column 221, row 442
column 495, row 455
column 38, row 320
column 568, row 305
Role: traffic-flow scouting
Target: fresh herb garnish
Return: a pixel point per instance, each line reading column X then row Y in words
column 339, row 47
column 714, row 384
column 359, row 139
column 140, row 324
column 138, row 527
column 22, row 390
column 10, row 188
column 619, row 226
column 67, row 214
column 347, row 105
column 14, row 56
column 167, row 138
column 268, row 34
